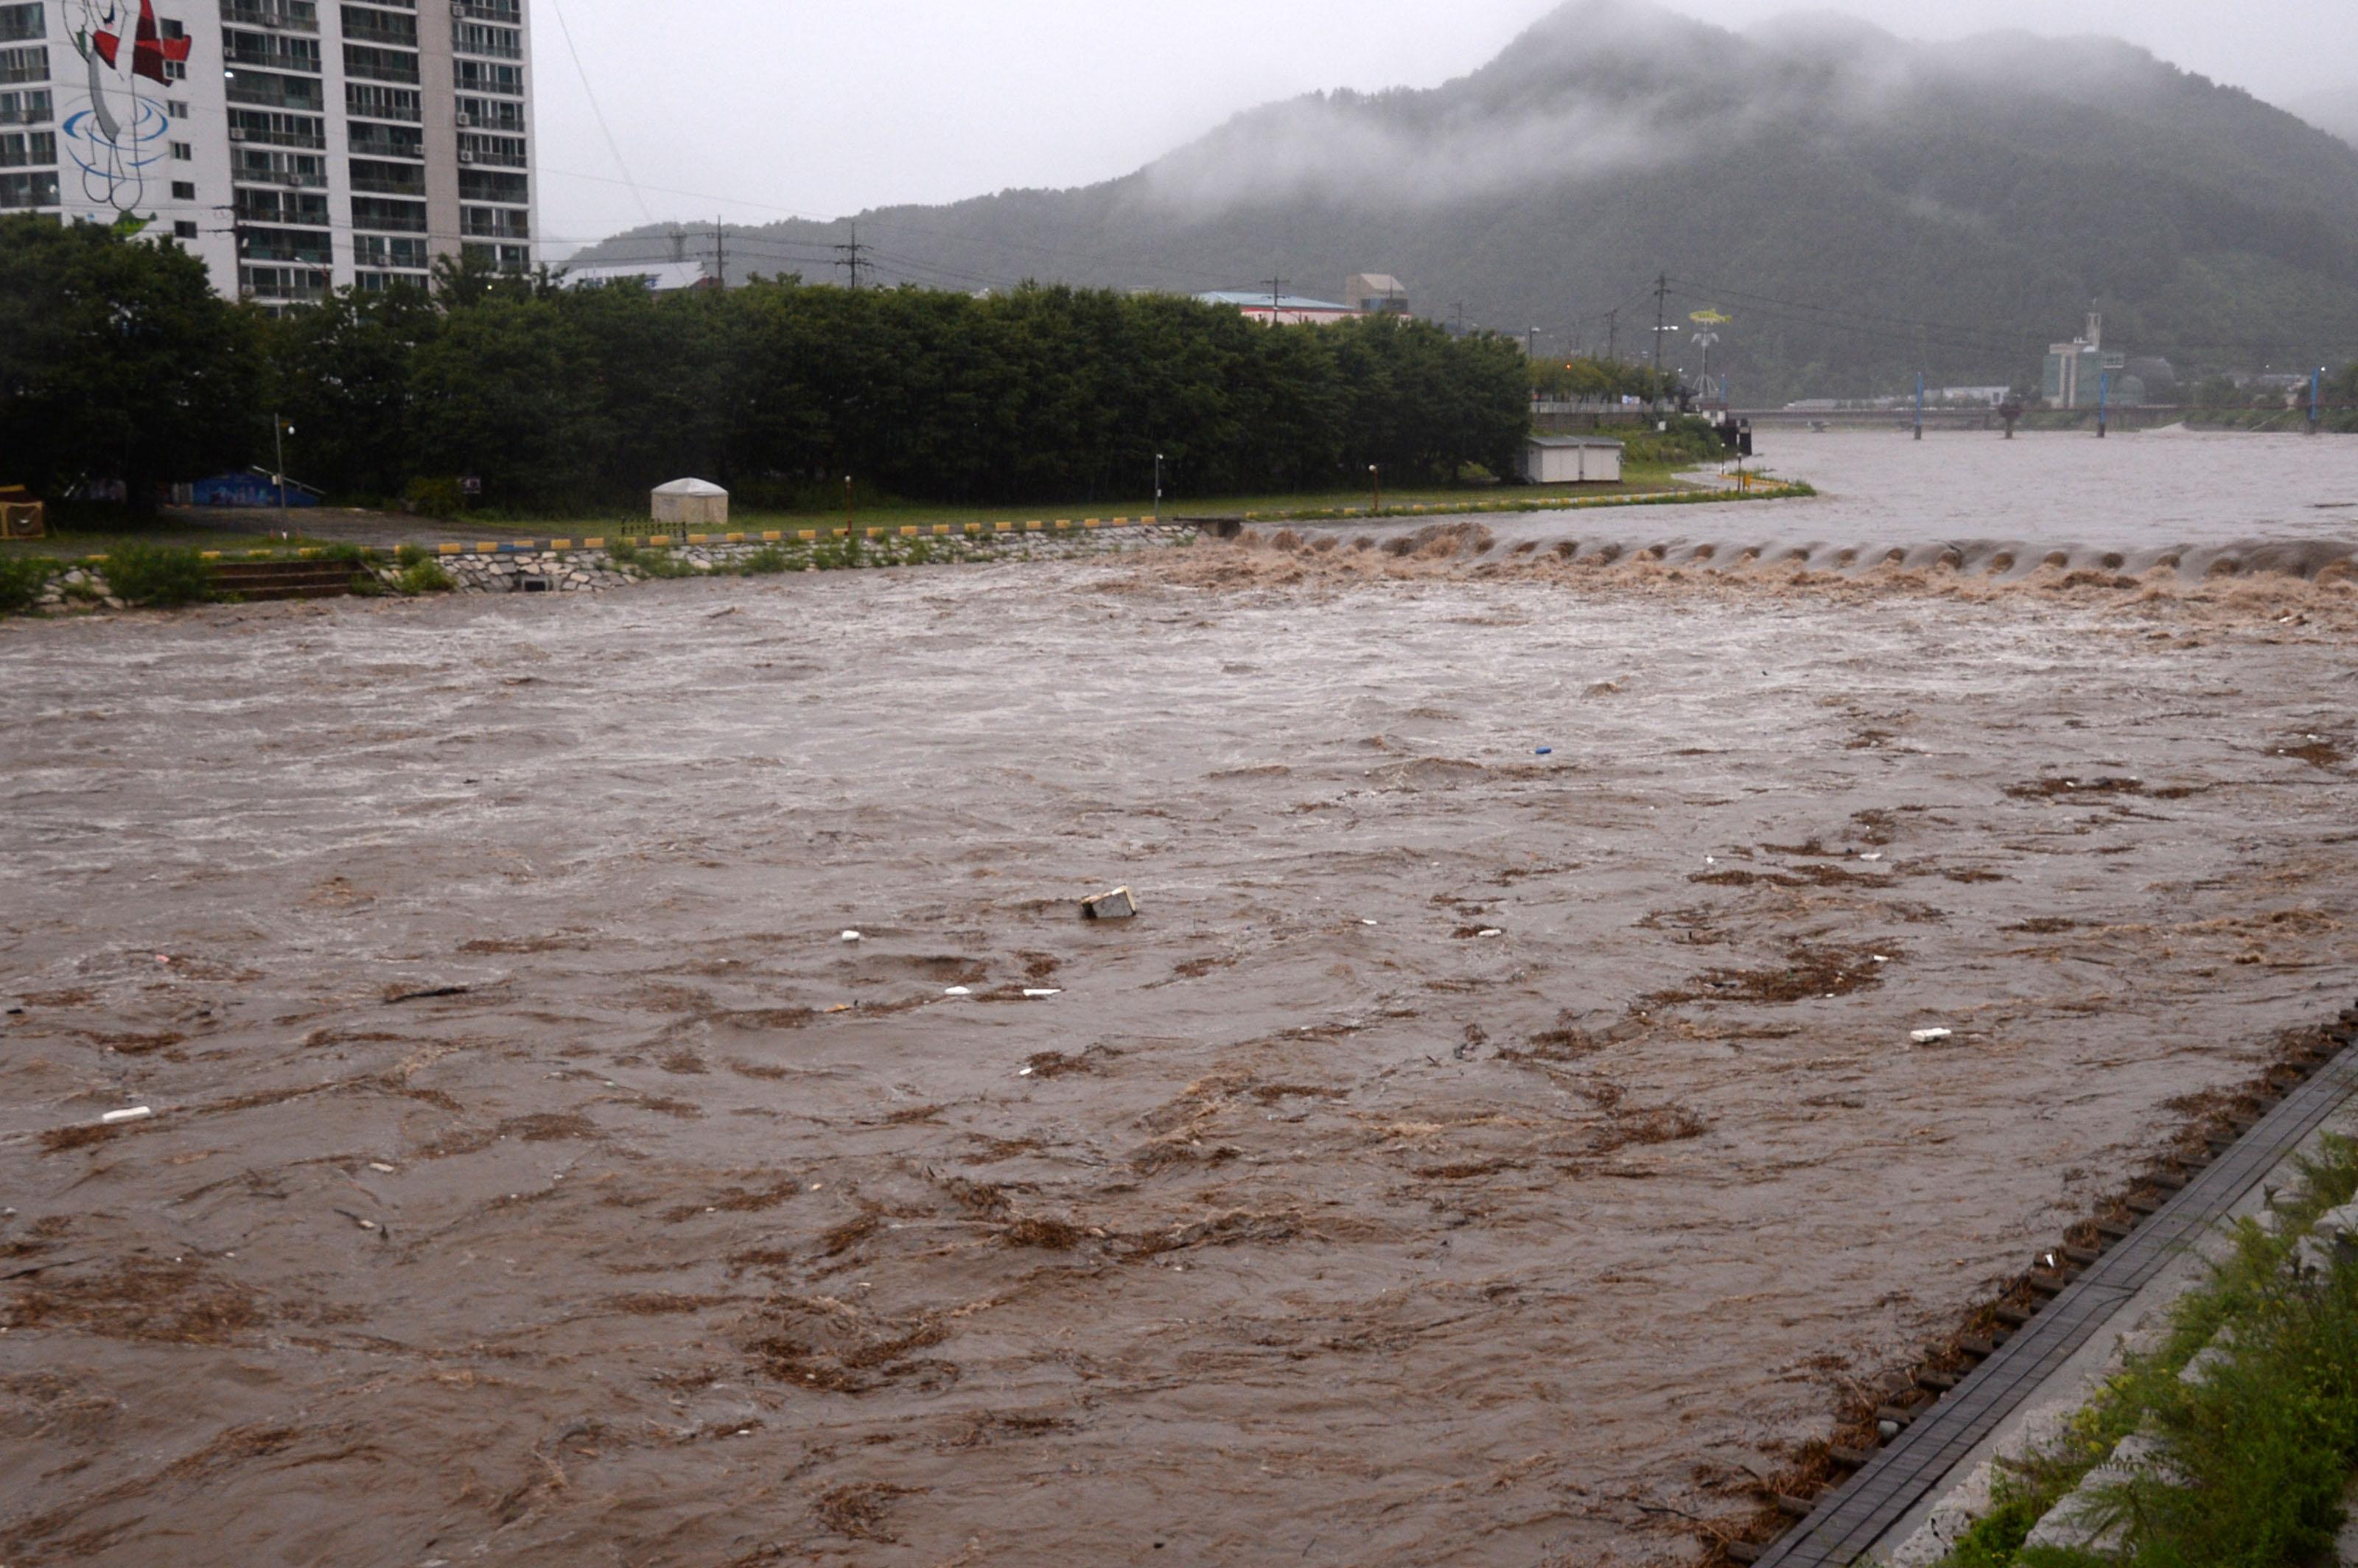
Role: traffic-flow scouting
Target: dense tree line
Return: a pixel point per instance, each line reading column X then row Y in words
column 556, row 397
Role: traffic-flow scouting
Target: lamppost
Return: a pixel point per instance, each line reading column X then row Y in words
column 1158, row 489
column 1376, row 478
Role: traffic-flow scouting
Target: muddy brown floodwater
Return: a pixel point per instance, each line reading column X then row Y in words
column 1499, row 1137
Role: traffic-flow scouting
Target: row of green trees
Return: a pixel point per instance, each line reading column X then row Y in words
column 118, row 361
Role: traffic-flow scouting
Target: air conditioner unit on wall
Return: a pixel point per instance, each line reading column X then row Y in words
column 465, row 120
column 466, row 155
column 237, row 133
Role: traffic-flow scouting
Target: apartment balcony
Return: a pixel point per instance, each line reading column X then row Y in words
column 256, row 91
column 481, row 225
column 397, row 37
column 279, row 18
column 263, row 54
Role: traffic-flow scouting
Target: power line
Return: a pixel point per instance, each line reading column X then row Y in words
column 603, row 129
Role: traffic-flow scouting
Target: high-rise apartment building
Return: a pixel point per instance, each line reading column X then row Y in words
column 297, row 146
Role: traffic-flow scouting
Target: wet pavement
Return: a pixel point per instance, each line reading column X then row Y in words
column 1498, row 1133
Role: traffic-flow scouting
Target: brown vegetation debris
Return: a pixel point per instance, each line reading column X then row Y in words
column 820, row 1342
column 142, row 1298
column 1812, row 970
column 859, row 1511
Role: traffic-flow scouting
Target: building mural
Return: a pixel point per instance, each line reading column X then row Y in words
column 115, row 135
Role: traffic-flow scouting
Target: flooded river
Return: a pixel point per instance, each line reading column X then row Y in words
column 1497, row 1137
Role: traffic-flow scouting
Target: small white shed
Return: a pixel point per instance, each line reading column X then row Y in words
column 691, row 504
column 1572, row 460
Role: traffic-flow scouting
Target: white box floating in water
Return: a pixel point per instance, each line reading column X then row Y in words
column 117, row 1118
column 1932, row 1036
column 1118, row 905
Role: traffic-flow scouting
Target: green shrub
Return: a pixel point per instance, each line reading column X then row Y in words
column 661, row 564
column 767, row 561
column 344, row 554
column 158, row 574
column 426, row 577
column 409, row 556
column 435, row 497
column 22, row 579
column 622, row 553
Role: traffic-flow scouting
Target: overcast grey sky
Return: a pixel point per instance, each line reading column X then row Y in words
column 755, row 109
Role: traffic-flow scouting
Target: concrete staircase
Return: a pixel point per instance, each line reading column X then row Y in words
column 255, row 580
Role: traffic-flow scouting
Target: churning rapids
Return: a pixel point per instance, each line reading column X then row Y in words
column 1500, row 1136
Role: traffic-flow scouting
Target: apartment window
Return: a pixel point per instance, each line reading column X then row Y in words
column 184, row 191
column 271, row 51
column 20, row 148
column 38, row 190
column 286, row 282
column 19, row 22
column 507, row 259
column 24, row 65
column 284, row 245
column 473, row 37
column 483, row 184
column 176, row 108
column 30, row 108
column 503, row 152
column 184, row 229
column 300, row 14
column 376, row 212
column 183, row 153
column 379, row 65
column 493, row 223
column 373, row 103
column 269, row 91
column 174, row 70
column 490, row 114
column 261, row 166
column 388, row 250
column 380, row 26
column 384, row 141
column 482, row 76
column 282, row 207
column 388, row 178
column 277, row 130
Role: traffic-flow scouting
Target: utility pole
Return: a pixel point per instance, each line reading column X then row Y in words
column 1531, row 344
column 1276, row 293
column 851, row 255
column 2316, row 394
column 1458, row 306
column 2104, row 403
column 1612, row 336
column 720, row 252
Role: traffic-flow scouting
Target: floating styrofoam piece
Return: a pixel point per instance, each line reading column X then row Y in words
column 851, row 937
column 1119, row 904
column 1932, row 1036
column 1036, row 995
column 1490, row 931
column 957, row 990
column 117, row 1118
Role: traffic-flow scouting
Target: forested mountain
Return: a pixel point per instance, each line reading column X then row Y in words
column 2335, row 112
column 1861, row 205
